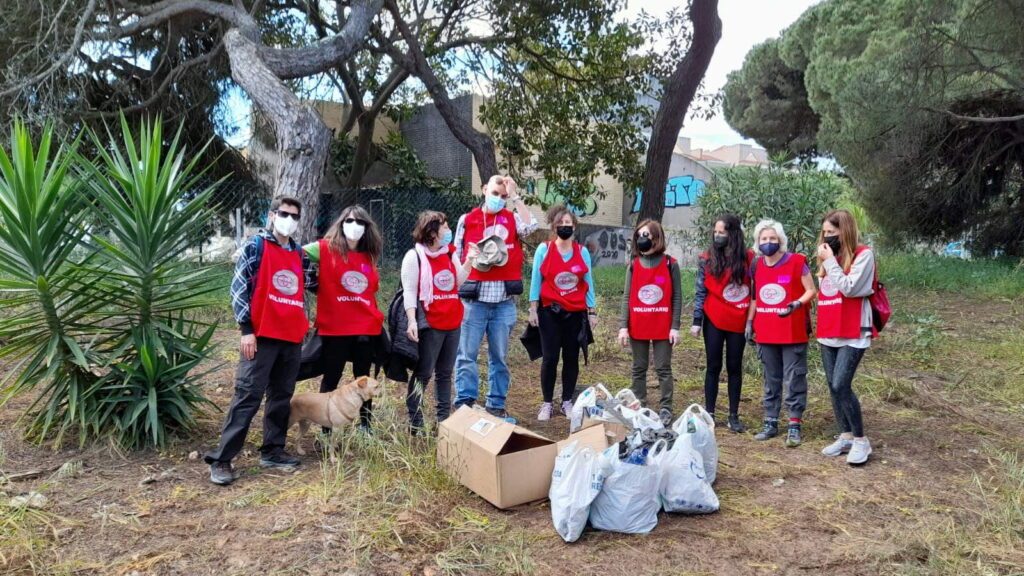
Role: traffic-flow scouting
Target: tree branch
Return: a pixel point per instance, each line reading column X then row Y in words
column 155, row 14
column 980, row 119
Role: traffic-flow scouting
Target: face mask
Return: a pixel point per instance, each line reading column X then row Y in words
column 833, row 243
column 720, row 240
column 769, row 248
column 564, row 232
column 285, row 226
column 644, row 243
column 353, row 231
column 494, row 203
column 446, row 239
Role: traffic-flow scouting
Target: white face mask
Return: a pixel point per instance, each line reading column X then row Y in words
column 353, row 231
column 285, row 226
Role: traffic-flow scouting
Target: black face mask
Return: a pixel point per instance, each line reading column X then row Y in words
column 720, row 240
column 833, row 243
column 644, row 243
column 564, row 232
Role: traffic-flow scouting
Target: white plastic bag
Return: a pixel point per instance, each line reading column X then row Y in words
column 683, row 487
column 629, row 500
column 575, row 482
column 696, row 422
column 587, row 399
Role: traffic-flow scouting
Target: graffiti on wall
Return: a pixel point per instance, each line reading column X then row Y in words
column 608, row 245
column 549, row 194
column 680, row 191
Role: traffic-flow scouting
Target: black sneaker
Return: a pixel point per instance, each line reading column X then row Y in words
column 735, row 425
column 793, row 436
column 771, row 430
column 279, row 459
column 501, row 413
column 221, row 473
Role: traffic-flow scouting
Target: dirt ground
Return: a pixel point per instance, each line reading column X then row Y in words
column 943, row 396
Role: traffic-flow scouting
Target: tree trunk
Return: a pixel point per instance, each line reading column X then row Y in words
column 303, row 140
column 361, row 155
column 679, row 90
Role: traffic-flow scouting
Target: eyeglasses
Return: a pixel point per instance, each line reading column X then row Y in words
column 359, row 221
column 283, row 214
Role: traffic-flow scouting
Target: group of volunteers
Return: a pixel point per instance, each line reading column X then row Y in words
column 459, row 286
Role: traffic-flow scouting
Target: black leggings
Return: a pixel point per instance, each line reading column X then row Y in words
column 336, row 351
column 734, row 343
column 559, row 336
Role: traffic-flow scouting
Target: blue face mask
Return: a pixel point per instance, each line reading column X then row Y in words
column 769, row 248
column 446, row 239
column 494, row 203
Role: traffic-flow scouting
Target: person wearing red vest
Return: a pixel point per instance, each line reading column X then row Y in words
column 720, row 307
column 267, row 295
column 347, row 317
column 562, row 305
column 846, row 274
column 779, row 322
column 430, row 297
column 489, row 293
column 651, row 312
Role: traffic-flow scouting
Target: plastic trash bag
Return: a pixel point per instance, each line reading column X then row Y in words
column 587, row 399
column 696, row 422
column 683, row 485
column 575, row 482
column 629, row 500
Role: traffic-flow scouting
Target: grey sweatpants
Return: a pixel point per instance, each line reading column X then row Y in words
column 785, row 367
column 662, row 367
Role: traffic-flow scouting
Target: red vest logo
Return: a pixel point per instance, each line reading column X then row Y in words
column 566, row 280
column 354, row 282
column 736, row 293
column 772, row 294
column 498, row 229
column 286, row 282
column 828, row 288
column 444, row 281
column 650, row 294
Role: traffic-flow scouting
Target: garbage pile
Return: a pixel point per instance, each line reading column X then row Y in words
column 655, row 466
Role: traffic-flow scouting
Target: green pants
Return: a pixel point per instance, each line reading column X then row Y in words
column 662, row 366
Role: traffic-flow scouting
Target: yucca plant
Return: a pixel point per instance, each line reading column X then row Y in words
column 45, row 291
column 151, row 210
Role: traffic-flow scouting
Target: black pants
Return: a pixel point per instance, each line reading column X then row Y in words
column 559, row 336
column 840, row 366
column 272, row 371
column 733, row 343
column 437, row 349
column 336, row 351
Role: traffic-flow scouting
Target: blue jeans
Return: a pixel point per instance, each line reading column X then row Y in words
column 840, row 365
column 496, row 320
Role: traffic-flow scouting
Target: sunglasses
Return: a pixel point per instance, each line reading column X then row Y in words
column 283, row 214
column 359, row 221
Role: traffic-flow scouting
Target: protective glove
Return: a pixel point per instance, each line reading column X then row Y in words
column 790, row 308
column 748, row 333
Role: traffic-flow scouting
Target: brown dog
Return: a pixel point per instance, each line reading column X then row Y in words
column 334, row 409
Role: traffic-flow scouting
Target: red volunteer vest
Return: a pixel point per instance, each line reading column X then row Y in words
column 650, row 301
column 479, row 226
column 562, row 282
column 346, row 302
column 278, row 308
column 776, row 287
column 445, row 312
column 727, row 303
column 838, row 316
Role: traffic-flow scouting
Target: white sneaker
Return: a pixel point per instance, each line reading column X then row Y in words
column 567, row 408
column 859, row 452
column 838, row 448
column 545, row 412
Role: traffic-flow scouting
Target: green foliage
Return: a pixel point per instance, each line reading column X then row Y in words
column 104, row 313
column 797, row 198
column 975, row 278
column 396, row 153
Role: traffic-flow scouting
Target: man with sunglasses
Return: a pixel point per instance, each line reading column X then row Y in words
column 270, row 278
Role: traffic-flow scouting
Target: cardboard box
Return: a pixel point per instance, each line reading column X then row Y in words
column 617, row 429
column 599, row 435
column 502, row 463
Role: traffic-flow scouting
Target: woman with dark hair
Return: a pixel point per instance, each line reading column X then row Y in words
column 652, row 306
column 722, row 289
column 562, row 301
column 430, row 297
column 347, row 317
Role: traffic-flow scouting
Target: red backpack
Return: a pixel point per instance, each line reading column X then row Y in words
column 881, row 310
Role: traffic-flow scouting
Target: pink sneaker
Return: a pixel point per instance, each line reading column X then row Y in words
column 567, row 408
column 545, row 412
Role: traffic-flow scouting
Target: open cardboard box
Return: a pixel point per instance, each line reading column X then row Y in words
column 617, row 430
column 597, row 435
column 505, row 464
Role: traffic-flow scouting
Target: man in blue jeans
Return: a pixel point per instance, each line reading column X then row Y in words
column 489, row 293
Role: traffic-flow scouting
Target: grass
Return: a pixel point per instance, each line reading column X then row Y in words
column 980, row 278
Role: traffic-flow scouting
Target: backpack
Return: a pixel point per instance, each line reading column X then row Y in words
column 881, row 310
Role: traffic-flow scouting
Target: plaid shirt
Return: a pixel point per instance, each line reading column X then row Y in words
column 248, row 266
column 494, row 290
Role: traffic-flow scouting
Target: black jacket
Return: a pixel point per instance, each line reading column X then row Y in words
column 405, row 353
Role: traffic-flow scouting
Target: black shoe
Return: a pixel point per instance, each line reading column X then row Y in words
column 221, row 473
column 793, row 436
column 735, row 425
column 501, row 413
column 279, row 459
column 771, row 430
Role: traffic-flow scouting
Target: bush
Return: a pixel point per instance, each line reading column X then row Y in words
column 798, row 198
